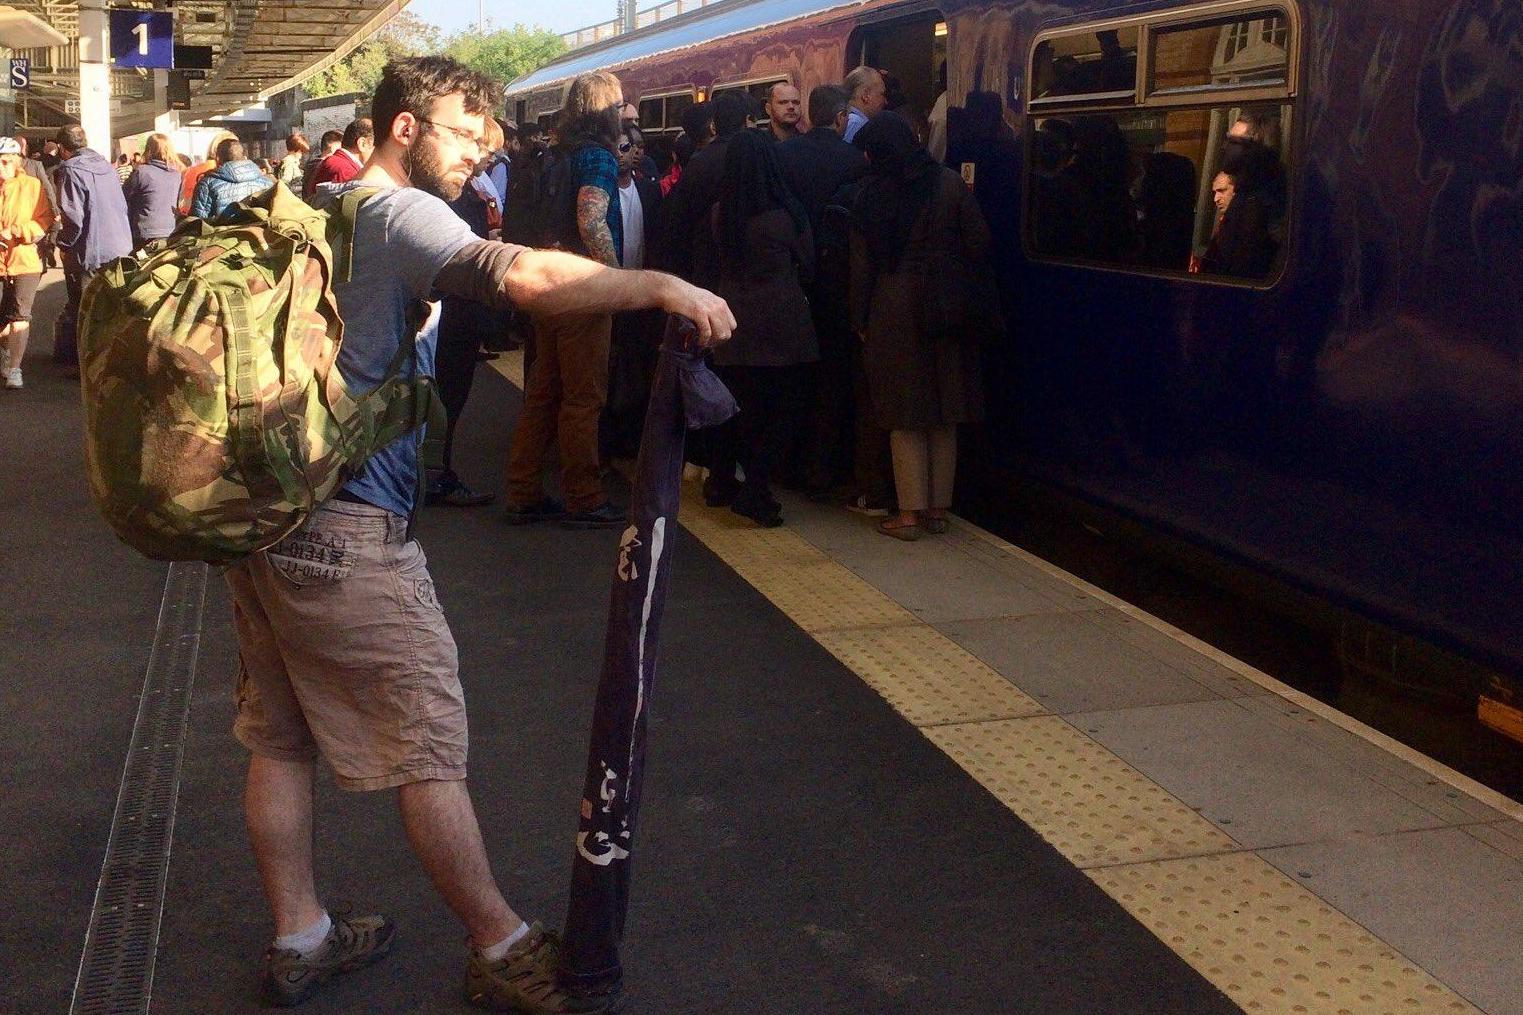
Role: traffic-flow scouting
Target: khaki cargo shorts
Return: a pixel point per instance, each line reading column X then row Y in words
column 344, row 652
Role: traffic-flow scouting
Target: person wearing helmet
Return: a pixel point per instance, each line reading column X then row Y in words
column 25, row 217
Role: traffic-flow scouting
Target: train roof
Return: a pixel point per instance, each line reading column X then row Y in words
column 728, row 17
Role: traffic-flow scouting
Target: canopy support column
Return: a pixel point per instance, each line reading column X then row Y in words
column 95, row 77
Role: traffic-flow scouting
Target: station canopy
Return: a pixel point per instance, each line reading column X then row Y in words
column 255, row 48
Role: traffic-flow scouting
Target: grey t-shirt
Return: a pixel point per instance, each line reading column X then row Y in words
column 402, row 238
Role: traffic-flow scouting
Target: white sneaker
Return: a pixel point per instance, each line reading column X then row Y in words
column 13, row 377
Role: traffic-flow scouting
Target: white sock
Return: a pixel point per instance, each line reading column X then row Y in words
column 493, row 953
column 307, row 941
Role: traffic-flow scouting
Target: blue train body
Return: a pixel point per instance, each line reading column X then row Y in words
column 1349, row 423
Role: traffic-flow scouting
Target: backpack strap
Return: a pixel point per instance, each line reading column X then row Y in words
column 341, row 228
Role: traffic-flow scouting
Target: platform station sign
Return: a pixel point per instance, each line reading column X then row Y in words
column 142, row 38
column 21, row 72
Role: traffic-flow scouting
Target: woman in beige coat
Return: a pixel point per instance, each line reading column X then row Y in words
column 918, row 241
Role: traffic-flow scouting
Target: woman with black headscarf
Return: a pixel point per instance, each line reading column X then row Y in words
column 765, row 256
column 919, row 251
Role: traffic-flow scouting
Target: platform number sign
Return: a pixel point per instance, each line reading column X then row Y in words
column 142, row 38
column 21, row 72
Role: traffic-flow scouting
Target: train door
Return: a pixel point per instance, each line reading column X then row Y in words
column 911, row 51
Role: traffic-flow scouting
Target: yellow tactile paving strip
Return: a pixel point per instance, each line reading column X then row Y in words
column 1270, row 944
column 929, row 679
column 1095, row 808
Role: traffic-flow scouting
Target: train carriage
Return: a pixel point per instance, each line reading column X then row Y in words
column 1335, row 410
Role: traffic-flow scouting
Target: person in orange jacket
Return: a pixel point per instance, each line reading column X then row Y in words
column 25, row 217
column 194, row 173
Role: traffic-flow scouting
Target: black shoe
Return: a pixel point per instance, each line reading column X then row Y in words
column 604, row 516
column 718, row 493
column 761, row 509
column 545, row 510
column 449, row 491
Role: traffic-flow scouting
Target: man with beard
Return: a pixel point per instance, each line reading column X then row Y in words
column 344, row 650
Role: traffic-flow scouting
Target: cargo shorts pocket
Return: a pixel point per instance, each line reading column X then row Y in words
column 417, row 586
column 310, row 558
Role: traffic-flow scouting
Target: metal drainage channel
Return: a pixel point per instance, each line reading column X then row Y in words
column 116, row 970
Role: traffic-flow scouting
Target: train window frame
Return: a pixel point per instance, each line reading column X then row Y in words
column 1132, row 96
column 1283, row 94
column 745, row 85
column 691, row 91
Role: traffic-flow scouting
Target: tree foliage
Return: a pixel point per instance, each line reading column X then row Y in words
column 360, row 71
column 506, row 53
column 501, row 53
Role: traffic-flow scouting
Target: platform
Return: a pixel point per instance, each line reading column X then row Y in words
column 939, row 777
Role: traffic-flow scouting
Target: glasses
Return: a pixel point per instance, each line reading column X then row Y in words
column 465, row 137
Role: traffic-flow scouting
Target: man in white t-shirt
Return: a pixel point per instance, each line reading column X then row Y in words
column 635, row 334
column 633, row 254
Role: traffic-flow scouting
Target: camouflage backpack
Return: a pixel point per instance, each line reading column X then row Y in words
column 216, row 420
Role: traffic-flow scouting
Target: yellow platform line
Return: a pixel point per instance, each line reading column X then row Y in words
column 1269, row 943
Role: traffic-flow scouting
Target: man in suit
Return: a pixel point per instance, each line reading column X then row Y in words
column 695, row 193
column 817, row 166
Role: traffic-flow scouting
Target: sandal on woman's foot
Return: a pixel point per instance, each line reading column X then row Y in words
column 934, row 524
column 907, row 531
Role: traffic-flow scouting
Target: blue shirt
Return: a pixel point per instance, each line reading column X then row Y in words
column 595, row 166
column 402, row 237
column 855, row 119
column 499, row 174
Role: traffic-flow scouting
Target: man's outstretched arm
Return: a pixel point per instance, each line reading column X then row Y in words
column 550, row 282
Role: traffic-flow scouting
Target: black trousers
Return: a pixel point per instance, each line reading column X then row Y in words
column 773, row 404
column 66, row 328
column 828, row 445
column 455, row 362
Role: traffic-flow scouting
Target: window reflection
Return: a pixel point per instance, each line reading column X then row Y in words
column 1093, row 64
column 1200, row 190
column 1247, row 51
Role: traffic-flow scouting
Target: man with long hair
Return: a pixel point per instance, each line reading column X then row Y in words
column 345, row 652
column 568, row 379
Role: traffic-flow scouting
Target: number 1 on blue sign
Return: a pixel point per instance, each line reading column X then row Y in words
column 141, row 31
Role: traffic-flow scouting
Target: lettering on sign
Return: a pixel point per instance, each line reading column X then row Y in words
column 140, row 38
column 21, row 72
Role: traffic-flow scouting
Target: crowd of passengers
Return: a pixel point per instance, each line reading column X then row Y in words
column 857, row 264
column 852, row 259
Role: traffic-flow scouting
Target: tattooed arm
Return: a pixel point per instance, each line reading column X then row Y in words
column 592, row 223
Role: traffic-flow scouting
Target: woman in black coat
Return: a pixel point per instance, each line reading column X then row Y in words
column 765, row 254
column 919, row 260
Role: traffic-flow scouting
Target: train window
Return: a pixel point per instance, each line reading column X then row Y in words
column 757, row 90
column 1243, row 52
column 1189, row 177
column 676, row 105
column 1162, row 190
column 1092, row 64
column 652, row 114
